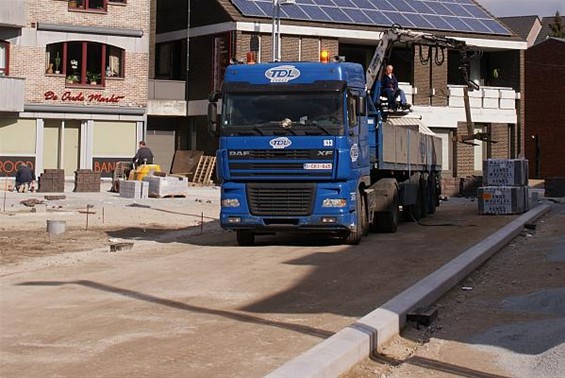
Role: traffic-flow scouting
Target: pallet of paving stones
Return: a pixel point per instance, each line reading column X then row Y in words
column 503, row 200
column 505, row 172
column 167, row 187
column 87, row 180
column 52, row 181
column 134, row 189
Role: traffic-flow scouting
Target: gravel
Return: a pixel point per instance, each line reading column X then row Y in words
column 535, row 348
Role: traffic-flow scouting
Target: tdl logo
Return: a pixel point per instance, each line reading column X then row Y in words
column 280, row 143
column 282, row 74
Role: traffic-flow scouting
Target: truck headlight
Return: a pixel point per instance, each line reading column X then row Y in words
column 230, row 202
column 334, row 202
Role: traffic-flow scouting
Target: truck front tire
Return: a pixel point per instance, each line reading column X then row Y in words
column 354, row 237
column 387, row 221
column 245, row 238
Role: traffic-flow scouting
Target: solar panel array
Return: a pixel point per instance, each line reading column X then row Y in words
column 445, row 15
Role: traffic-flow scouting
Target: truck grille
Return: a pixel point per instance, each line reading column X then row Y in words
column 278, row 163
column 280, row 199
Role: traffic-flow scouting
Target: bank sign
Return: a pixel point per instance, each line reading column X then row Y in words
column 9, row 164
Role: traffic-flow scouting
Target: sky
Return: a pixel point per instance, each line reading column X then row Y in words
column 542, row 8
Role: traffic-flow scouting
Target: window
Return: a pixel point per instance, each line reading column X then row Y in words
column 90, row 5
column 117, row 1
column 4, row 58
column 85, row 63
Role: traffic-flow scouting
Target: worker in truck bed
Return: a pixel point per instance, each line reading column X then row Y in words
column 392, row 92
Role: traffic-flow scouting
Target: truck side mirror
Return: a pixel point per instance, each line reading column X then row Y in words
column 362, row 106
column 213, row 118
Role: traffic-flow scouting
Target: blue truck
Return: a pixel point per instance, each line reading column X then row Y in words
column 304, row 147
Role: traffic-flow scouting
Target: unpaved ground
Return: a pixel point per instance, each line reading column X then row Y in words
column 185, row 304
column 507, row 319
column 97, row 220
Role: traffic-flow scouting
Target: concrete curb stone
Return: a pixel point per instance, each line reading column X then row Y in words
column 339, row 353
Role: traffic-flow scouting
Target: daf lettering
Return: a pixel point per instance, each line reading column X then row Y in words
column 240, row 153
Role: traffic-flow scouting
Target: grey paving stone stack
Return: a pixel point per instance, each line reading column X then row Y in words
column 52, row 181
column 86, row 180
column 506, row 187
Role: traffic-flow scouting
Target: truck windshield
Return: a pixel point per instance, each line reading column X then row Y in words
column 312, row 113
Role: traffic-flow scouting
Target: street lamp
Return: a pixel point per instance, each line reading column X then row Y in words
column 276, row 35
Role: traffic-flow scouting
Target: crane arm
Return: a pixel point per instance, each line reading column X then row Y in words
column 397, row 34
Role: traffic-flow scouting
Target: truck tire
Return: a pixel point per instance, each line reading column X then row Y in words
column 245, row 238
column 424, row 193
column 364, row 221
column 432, row 194
column 354, row 237
column 413, row 213
column 387, row 221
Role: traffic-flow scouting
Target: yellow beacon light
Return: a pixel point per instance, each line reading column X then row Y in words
column 325, row 56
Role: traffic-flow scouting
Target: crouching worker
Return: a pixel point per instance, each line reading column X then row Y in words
column 392, row 92
column 25, row 178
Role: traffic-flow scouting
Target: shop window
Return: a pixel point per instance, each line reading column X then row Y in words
column 85, row 63
column 4, row 58
column 117, row 1
column 89, row 5
column 114, row 62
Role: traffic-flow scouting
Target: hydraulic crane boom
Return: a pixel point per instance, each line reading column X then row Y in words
column 397, row 34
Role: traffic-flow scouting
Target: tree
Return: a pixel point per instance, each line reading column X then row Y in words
column 557, row 27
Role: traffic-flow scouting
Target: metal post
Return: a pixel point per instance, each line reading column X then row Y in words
column 274, row 33
column 187, row 82
column 538, row 156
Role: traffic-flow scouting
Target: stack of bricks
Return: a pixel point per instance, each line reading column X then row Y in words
column 134, row 189
column 52, row 181
column 87, row 180
column 505, row 190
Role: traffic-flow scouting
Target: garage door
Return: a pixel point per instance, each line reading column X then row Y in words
column 162, row 143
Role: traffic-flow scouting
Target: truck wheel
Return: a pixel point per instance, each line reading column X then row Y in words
column 432, row 194
column 245, row 238
column 364, row 219
column 413, row 213
column 387, row 221
column 424, row 194
column 354, row 238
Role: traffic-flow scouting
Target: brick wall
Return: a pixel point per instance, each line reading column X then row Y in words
column 290, row 51
column 422, row 81
column 152, row 37
column 544, row 111
column 499, row 134
column 463, row 154
column 133, row 15
column 29, row 61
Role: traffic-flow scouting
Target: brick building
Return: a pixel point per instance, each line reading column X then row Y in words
column 544, row 82
column 545, row 117
column 75, row 75
column 220, row 31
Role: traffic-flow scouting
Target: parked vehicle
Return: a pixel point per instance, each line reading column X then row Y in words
column 303, row 147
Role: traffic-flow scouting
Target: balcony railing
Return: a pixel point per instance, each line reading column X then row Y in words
column 166, row 90
column 12, row 93
column 13, row 13
column 495, row 98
